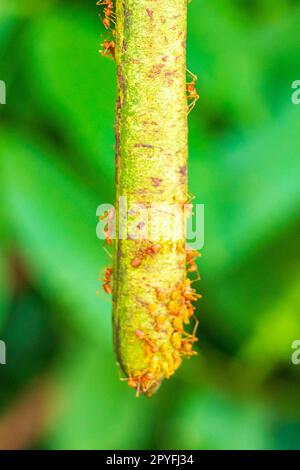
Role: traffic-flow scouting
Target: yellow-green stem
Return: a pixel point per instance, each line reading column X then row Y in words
column 151, row 168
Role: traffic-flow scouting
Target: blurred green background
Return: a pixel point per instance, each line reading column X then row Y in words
column 60, row 387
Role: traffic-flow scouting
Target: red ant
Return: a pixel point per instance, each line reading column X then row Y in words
column 149, row 251
column 191, row 256
column 141, row 335
column 187, row 348
column 191, row 90
column 188, row 292
column 142, row 382
column 108, row 12
column 107, row 281
column 108, row 48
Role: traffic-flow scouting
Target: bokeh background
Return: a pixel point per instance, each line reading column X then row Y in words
column 60, row 387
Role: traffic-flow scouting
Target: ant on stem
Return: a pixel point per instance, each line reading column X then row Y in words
column 107, row 280
column 191, row 91
column 109, row 15
column 108, row 49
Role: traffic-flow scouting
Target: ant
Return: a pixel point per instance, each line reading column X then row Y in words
column 149, row 251
column 191, row 91
column 159, row 322
column 187, row 348
column 108, row 12
column 142, row 382
column 192, row 337
column 178, row 323
column 108, row 49
column 141, row 335
column 188, row 292
column 176, row 340
column 107, row 280
column 161, row 295
column 191, row 255
column 192, row 267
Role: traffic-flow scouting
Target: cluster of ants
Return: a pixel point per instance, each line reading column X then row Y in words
column 108, row 18
column 181, row 309
column 150, row 249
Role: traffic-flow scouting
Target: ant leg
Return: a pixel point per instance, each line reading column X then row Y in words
column 113, row 21
column 190, row 336
column 192, row 75
column 120, row 372
column 191, row 107
column 99, row 292
column 108, row 56
column 107, row 251
column 191, row 198
column 192, row 104
column 198, row 278
column 196, row 326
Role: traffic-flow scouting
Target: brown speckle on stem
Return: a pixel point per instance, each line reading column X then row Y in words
column 156, row 181
column 149, row 12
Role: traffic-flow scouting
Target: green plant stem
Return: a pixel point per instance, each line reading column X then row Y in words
column 151, row 168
